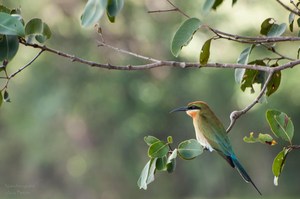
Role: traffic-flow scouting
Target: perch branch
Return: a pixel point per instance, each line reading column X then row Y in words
column 155, row 63
column 236, row 114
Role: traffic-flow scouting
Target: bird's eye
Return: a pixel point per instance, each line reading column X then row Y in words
column 194, row 108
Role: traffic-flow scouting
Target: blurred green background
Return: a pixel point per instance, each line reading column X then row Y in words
column 72, row 131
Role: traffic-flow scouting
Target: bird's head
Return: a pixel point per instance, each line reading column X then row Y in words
column 194, row 108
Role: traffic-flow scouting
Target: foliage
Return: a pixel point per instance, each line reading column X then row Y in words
column 163, row 157
column 95, row 9
column 283, row 128
column 12, row 30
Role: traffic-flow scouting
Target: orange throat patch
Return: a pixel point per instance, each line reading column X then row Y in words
column 192, row 113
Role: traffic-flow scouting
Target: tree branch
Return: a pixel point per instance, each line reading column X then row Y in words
column 273, row 50
column 25, row 66
column 155, row 63
column 251, row 40
column 288, row 8
column 236, row 114
column 9, row 77
column 179, row 10
column 128, row 52
column 294, row 147
column 175, row 8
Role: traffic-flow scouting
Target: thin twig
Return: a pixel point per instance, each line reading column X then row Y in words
column 178, row 9
column 9, row 77
column 294, row 147
column 25, row 66
column 128, row 52
column 160, row 11
column 251, row 40
column 272, row 49
column 288, row 8
column 295, row 5
column 236, row 114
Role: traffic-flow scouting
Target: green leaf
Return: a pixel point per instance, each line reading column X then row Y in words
column 170, row 139
column 207, row 6
column 19, row 17
column 280, row 124
column 113, row 8
column 243, row 59
column 158, row 150
column 291, row 21
column 147, row 174
column 244, row 56
column 217, row 3
column 189, row 149
column 233, row 2
column 205, row 52
column 298, row 22
column 274, row 83
column 6, row 96
column 262, row 138
column 171, row 162
column 278, row 164
column 266, row 26
column 172, row 156
column 150, row 140
column 93, row 11
column 251, row 77
column 39, row 29
column 161, row 163
column 277, row 30
column 10, row 25
column 184, row 35
column 239, row 74
column 9, row 46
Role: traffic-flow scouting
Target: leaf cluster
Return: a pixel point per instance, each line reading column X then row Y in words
column 13, row 28
column 282, row 127
column 94, row 10
column 163, row 157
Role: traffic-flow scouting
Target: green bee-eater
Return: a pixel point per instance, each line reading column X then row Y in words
column 212, row 135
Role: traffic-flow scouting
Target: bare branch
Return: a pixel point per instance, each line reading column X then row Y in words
column 127, row 52
column 158, row 63
column 251, row 40
column 28, row 64
column 288, row 8
column 179, row 10
column 273, row 50
column 155, row 63
column 174, row 9
column 236, row 114
column 294, row 147
column 9, row 77
column 166, row 10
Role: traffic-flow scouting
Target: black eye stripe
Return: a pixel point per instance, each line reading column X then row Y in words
column 194, row 108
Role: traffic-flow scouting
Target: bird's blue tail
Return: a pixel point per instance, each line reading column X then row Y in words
column 243, row 172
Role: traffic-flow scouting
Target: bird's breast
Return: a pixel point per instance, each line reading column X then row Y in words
column 200, row 136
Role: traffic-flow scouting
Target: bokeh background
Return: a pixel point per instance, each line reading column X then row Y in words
column 72, row 131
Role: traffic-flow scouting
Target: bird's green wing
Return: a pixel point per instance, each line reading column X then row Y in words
column 216, row 135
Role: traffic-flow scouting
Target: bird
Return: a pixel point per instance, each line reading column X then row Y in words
column 212, row 135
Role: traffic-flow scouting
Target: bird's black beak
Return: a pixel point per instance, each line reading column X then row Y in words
column 185, row 108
